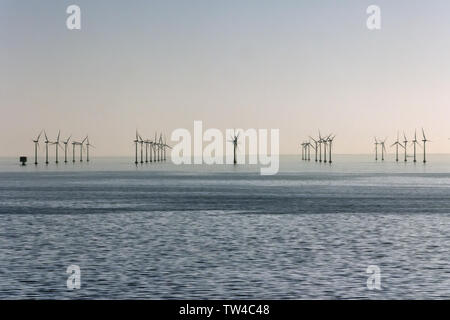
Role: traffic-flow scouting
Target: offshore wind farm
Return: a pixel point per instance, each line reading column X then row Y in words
column 57, row 145
column 224, row 150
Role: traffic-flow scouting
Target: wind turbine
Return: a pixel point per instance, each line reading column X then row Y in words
column 325, row 141
column 36, row 146
column 234, row 141
column 424, row 143
column 146, row 142
column 65, row 148
column 315, row 146
column 308, row 150
column 415, row 141
column 383, row 149
column 330, row 141
column 161, row 148
column 376, row 148
column 320, row 147
column 150, row 145
column 158, row 147
column 88, row 144
column 74, row 143
column 46, row 147
column 81, row 149
column 165, row 145
column 155, row 146
column 302, row 145
column 396, row 144
column 141, row 141
column 136, row 144
column 405, row 146
column 56, row 143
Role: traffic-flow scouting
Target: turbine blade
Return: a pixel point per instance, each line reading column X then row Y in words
column 39, row 135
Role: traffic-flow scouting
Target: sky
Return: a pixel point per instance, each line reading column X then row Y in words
column 297, row 66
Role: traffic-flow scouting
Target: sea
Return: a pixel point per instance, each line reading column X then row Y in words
column 165, row 231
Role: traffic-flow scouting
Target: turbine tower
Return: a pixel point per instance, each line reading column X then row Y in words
column 88, row 144
column 141, row 142
column 74, row 143
column 36, row 146
column 146, row 142
column 136, row 144
column 396, row 144
column 65, row 148
column 383, row 149
column 150, row 149
column 415, row 141
column 325, row 141
column 81, row 149
column 56, row 144
column 165, row 145
column 161, row 148
column 155, row 147
column 46, row 147
column 376, row 148
column 320, row 147
column 308, row 150
column 330, row 142
column 302, row 145
column 234, row 141
column 315, row 147
column 424, row 143
column 405, row 146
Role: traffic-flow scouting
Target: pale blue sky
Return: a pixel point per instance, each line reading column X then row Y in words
column 160, row 65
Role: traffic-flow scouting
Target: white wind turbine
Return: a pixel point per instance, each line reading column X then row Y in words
column 424, row 144
column 320, row 147
column 88, row 144
column 141, row 141
column 165, row 146
column 383, row 149
column 155, row 147
column 160, row 148
column 150, row 146
column 136, row 141
column 330, row 142
column 325, row 141
column 315, row 147
column 415, row 141
column 81, row 144
column 57, row 145
column 74, row 143
column 66, row 142
column 396, row 144
column 376, row 148
column 46, row 147
column 234, row 141
column 36, row 146
column 405, row 146
column 146, row 142
column 302, row 145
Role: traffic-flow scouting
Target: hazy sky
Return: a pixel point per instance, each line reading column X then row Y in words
column 160, row 65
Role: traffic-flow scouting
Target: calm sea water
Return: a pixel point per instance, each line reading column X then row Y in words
column 164, row 231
